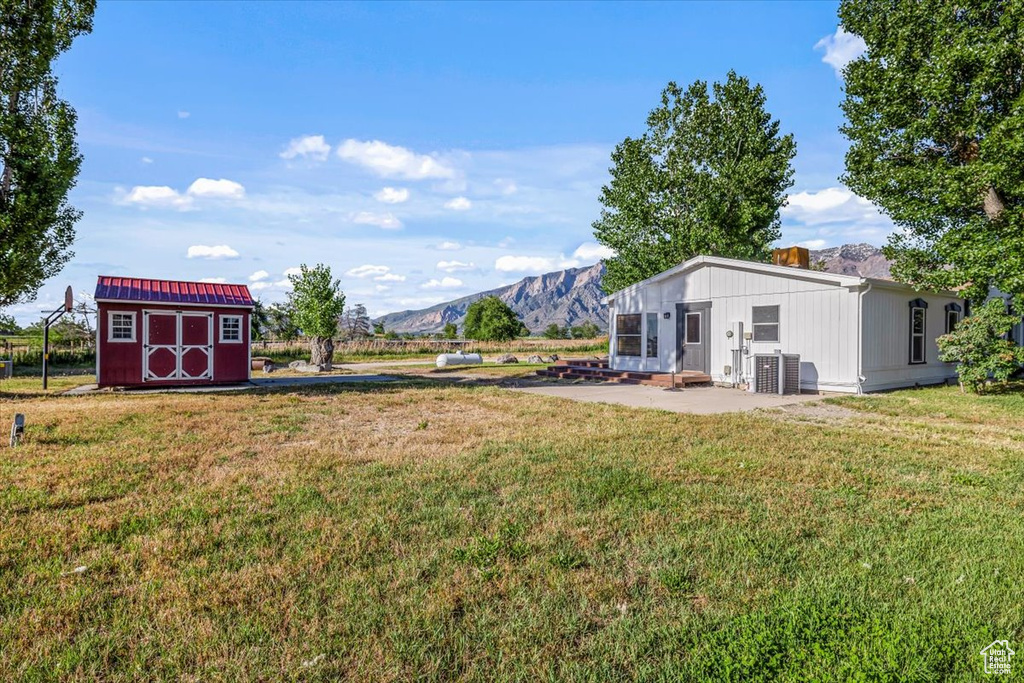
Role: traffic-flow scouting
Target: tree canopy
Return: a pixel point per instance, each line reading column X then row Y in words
column 935, row 118
column 707, row 177
column 38, row 152
column 490, row 319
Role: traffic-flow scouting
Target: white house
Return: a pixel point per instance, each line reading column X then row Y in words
column 732, row 319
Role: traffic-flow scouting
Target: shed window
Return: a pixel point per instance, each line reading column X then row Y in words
column 652, row 335
column 953, row 315
column 627, row 334
column 121, row 327
column 231, row 328
column 766, row 323
column 918, row 324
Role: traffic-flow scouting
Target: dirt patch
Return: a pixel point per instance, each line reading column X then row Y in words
column 818, row 411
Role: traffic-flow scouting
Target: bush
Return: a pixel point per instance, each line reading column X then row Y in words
column 490, row 319
column 980, row 348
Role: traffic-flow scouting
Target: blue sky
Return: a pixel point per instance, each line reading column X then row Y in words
column 423, row 151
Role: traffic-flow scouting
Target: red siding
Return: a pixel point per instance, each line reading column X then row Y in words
column 120, row 362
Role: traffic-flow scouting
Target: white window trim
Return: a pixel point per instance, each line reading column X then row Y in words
column 921, row 334
column 241, row 329
column 640, row 337
column 110, row 327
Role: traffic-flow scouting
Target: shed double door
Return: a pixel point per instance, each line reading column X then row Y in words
column 177, row 345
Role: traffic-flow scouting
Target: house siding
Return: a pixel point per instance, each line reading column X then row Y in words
column 832, row 325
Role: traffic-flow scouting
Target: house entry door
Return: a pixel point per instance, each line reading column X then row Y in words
column 693, row 320
column 177, row 345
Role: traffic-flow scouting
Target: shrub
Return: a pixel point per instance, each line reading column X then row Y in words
column 979, row 347
column 490, row 319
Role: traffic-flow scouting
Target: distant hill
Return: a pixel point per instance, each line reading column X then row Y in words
column 862, row 259
column 571, row 296
column 574, row 296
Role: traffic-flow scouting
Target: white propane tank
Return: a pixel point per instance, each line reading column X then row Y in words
column 446, row 359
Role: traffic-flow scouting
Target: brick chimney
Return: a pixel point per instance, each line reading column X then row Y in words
column 795, row 257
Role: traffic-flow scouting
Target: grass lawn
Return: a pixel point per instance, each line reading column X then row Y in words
column 434, row 532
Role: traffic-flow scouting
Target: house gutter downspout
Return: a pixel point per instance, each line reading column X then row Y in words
column 860, row 339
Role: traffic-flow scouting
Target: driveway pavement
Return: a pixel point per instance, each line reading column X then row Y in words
column 699, row 400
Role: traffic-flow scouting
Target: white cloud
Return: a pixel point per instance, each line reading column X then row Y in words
column 392, row 195
column 386, row 221
column 458, row 204
column 454, row 266
column 308, row 147
column 829, row 205
column 159, row 196
column 381, row 288
column 146, row 160
column 221, row 251
column 259, row 275
column 367, row 271
column 841, row 48
column 592, row 252
column 294, row 270
column 217, row 189
column 214, row 280
column 391, row 161
column 812, row 244
column 378, row 273
column 524, row 264
column 449, row 246
column 443, row 283
column 182, row 114
column 260, row 285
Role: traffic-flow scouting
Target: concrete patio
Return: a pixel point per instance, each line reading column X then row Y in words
column 697, row 400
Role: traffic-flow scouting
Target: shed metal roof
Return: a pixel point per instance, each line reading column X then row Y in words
column 148, row 290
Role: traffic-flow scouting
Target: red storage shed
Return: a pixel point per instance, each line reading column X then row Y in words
column 168, row 333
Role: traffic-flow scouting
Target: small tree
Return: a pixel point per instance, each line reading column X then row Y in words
column 281, row 321
column 260, row 321
column 318, row 302
column 378, row 328
column 586, row 330
column 553, row 331
column 490, row 319
column 979, row 347
column 355, row 323
column 451, row 331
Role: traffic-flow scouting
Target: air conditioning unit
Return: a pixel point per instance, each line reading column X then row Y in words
column 777, row 373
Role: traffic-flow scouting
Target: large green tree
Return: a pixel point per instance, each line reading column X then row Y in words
column 317, row 302
column 38, row 153
column 490, row 319
column 707, row 177
column 935, row 117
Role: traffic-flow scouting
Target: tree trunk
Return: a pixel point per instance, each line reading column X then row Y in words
column 994, row 204
column 321, row 351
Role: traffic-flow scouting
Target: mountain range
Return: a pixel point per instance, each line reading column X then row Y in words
column 573, row 296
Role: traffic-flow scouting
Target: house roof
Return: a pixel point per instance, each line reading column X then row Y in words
column 757, row 267
column 147, row 290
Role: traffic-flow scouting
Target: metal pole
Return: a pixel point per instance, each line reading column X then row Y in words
column 46, row 350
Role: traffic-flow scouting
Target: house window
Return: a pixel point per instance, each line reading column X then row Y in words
column 652, row 335
column 766, row 323
column 627, row 334
column 121, row 327
column 231, row 329
column 953, row 315
column 918, row 324
column 692, row 328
